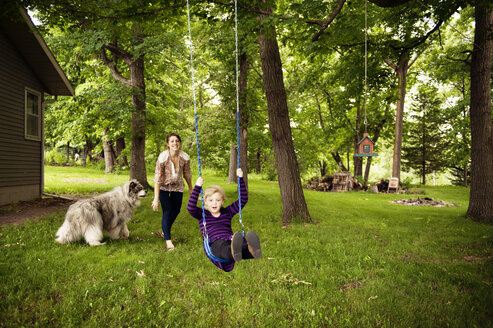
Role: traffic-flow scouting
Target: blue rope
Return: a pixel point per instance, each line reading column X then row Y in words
column 205, row 237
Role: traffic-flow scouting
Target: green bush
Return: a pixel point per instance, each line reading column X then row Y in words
column 269, row 172
column 407, row 183
column 55, row 157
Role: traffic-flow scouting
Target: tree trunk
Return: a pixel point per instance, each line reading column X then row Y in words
column 323, row 168
column 137, row 152
column 481, row 194
column 86, row 152
column 367, row 169
column 379, row 127
column 401, row 72
column 357, row 161
column 119, row 147
column 293, row 199
column 244, row 116
column 338, row 159
column 108, row 154
column 259, row 161
column 233, row 164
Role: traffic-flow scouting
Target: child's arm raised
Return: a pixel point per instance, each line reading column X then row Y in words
column 194, row 197
column 235, row 207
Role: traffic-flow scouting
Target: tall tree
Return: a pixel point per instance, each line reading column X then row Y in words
column 481, row 196
column 424, row 149
column 408, row 52
column 293, row 199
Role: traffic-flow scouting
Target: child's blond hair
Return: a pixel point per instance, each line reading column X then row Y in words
column 209, row 191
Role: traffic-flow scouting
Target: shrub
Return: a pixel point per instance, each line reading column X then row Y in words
column 55, row 157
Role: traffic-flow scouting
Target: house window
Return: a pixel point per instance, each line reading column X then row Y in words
column 33, row 115
column 366, row 148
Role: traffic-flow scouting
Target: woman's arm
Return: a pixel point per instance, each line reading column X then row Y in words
column 155, row 202
column 187, row 175
column 157, row 185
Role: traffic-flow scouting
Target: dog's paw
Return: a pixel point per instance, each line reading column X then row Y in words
column 60, row 240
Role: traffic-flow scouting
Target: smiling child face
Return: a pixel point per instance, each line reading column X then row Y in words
column 213, row 203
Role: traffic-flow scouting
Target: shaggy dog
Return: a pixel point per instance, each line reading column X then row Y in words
column 109, row 211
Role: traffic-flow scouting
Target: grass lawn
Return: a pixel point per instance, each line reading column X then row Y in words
column 364, row 263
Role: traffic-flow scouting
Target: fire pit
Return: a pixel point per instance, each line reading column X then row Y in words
column 423, row 202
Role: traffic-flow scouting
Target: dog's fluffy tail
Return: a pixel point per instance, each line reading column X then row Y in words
column 63, row 234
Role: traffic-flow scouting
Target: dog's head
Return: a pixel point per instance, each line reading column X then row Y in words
column 135, row 190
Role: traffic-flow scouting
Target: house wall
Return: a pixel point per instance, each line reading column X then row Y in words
column 21, row 173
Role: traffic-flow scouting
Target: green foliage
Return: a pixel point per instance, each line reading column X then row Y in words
column 55, row 156
column 365, row 263
column 448, row 66
column 407, row 182
column 324, row 80
column 425, row 144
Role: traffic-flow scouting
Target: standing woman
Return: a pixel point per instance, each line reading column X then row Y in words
column 172, row 166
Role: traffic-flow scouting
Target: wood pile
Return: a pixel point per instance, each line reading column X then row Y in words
column 343, row 182
column 320, row 183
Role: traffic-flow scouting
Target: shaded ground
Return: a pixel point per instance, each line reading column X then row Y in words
column 18, row 213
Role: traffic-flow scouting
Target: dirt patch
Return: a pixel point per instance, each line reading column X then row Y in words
column 20, row 212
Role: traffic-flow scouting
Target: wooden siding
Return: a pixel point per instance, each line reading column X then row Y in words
column 20, row 159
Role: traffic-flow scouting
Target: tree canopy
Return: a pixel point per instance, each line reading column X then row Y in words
column 130, row 65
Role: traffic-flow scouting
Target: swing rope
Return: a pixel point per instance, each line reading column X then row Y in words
column 205, row 235
column 366, row 63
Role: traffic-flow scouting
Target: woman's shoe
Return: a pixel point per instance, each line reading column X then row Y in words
column 169, row 245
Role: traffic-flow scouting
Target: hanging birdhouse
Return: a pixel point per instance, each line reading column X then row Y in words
column 365, row 147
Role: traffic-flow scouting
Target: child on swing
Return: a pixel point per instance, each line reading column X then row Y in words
column 224, row 244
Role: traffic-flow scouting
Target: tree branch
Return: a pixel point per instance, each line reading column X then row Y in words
column 390, row 63
column 324, row 24
column 427, row 35
column 465, row 61
column 119, row 52
column 320, row 117
column 114, row 71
